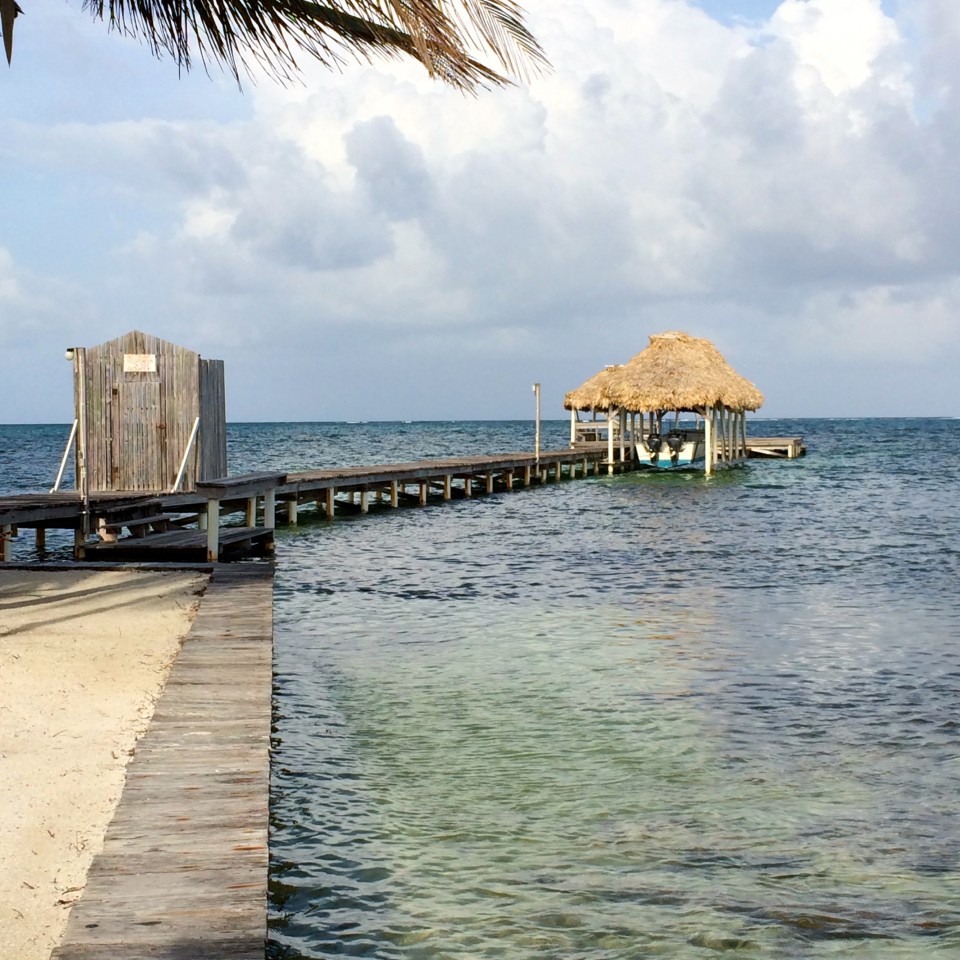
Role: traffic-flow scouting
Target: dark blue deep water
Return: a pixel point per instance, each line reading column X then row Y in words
column 631, row 717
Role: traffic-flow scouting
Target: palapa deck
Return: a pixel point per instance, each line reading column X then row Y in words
column 183, row 871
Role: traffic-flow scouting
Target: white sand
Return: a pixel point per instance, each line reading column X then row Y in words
column 83, row 658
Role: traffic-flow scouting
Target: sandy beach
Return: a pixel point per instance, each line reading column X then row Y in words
column 83, row 658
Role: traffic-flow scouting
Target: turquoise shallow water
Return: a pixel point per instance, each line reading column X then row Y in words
column 631, row 717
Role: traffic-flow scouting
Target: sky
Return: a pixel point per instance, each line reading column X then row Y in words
column 367, row 244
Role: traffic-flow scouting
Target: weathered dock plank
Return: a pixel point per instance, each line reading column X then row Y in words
column 183, row 871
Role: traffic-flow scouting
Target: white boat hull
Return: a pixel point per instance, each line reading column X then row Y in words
column 672, row 453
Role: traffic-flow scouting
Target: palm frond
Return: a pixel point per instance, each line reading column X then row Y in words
column 270, row 34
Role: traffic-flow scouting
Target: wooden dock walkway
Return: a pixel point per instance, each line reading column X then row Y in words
column 183, row 871
column 158, row 525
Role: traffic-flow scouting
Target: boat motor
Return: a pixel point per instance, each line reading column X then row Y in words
column 675, row 441
column 652, row 444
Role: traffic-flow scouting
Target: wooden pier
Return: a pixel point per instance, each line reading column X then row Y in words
column 183, row 871
column 189, row 527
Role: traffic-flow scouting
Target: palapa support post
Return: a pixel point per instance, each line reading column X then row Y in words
column 610, row 442
column 709, row 452
column 623, row 429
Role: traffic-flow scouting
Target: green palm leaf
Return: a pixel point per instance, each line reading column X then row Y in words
column 270, row 34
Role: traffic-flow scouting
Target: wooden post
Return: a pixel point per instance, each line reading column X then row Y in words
column 536, row 390
column 708, row 441
column 270, row 509
column 490, row 482
column 6, row 542
column 509, row 478
column 447, row 482
column 623, row 430
column 526, row 475
column 250, row 518
column 423, row 493
column 79, row 544
column 364, row 508
column 213, row 531
column 573, row 428
column 610, row 442
column 331, row 502
column 292, row 511
column 467, row 485
column 394, row 495
column 41, row 538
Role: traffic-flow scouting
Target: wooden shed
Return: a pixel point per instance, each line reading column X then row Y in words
column 151, row 416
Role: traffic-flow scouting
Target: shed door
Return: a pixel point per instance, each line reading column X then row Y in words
column 138, row 432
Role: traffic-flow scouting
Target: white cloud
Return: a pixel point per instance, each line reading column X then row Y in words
column 769, row 186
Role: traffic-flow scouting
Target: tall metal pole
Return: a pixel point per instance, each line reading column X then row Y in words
column 536, row 391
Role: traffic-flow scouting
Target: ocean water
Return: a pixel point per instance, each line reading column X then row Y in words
column 630, row 717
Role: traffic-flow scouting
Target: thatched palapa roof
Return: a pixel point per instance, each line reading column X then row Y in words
column 593, row 395
column 675, row 372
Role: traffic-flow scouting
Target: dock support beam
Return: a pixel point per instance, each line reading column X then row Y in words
column 331, row 502
column 292, row 512
column 394, row 494
column 6, row 539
